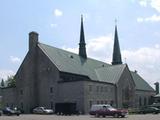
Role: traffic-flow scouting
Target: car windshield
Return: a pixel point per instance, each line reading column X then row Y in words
column 110, row 108
column 43, row 108
column 154, row 108
column 8, row 108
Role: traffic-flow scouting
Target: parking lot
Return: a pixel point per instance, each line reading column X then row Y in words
column 80, row 117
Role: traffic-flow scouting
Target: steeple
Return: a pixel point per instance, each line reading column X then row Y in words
column 82, row 44
column 116, row 59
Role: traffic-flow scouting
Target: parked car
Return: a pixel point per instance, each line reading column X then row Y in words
column 11, row 111
column 106, row 110
column 42, row 110
column 145, row 110
column 157, row 105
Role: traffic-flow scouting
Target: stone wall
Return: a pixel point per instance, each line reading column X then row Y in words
column 72, row 92
column 98, row 93
column 125, row 90
column 47, row 78
column 143, row 98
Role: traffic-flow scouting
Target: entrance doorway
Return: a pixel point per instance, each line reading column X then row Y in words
column 66, row 108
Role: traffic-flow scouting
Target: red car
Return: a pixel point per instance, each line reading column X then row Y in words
column 106, row 110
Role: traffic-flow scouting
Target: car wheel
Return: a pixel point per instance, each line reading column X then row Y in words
column 104, row 116
column 97, row 115
column 122, row 116
column 116, row 115
column 17, row 114
column 155, row 112
column 8, row 114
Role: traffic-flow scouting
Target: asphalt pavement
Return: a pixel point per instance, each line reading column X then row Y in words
column 79, row 117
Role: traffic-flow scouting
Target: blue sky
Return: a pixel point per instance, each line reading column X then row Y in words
column 58, row 24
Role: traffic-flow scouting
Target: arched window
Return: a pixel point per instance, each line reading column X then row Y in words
column 127, row 93
column 145, row 101
column 140, row 101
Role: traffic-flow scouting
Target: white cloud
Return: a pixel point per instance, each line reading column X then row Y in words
column 100, row 47
column 97, row 48
column 5, row 73
column 152, row 3
column 153, row 18
column 74, row 50
column 54, row 25
column 140, row 19
column 58, row 12
column 143, row 3
column 144, row 60
column 157, row 46
column 14, row 59
column 85, row 16
column 155, row 4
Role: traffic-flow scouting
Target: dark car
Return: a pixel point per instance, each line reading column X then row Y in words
column 11, row 111
column 106, row 110
column 145, row 110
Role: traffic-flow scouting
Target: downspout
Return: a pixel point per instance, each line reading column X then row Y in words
column 116, row 97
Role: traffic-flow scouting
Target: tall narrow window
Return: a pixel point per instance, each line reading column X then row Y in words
column 51, row 104
column 145, row 101
column 51, row 89
column 106, row 89
column 106, row 102
column 97, row 88
column 111, row 102
column 90, row 88
column 140, row 101
column 21, row 105
column 21, row 92
column 101, row 88
column 90, row 103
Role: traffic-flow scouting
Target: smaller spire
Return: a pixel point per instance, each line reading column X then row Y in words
column 116, row 49
column 82, row 44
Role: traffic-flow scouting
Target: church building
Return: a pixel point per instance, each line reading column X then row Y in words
column 49, row 76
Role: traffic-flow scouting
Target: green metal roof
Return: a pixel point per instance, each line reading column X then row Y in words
column 72, row 63
column 141, row 84
column 110, row 74
column 96, row 70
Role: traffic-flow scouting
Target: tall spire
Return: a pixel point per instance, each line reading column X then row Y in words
column 82, row 44
column 116, row 59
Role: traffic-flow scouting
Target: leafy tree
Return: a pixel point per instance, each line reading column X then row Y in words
column 2, row 83
column 11, row 81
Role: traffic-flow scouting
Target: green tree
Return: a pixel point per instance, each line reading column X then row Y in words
column 2, row 83
column 11, row 81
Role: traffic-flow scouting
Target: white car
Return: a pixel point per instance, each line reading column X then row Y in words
column 42, row 110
